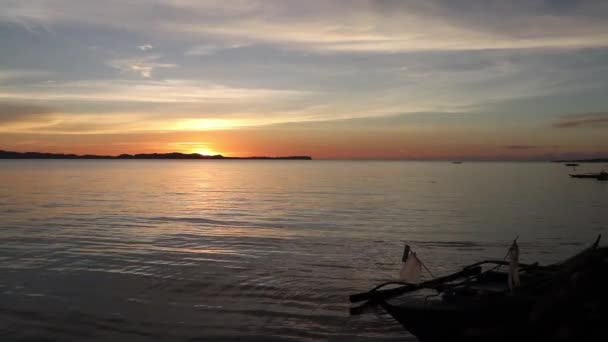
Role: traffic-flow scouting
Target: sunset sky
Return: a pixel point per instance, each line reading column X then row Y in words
column 332, row 79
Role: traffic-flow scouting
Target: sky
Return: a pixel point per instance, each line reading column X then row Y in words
column 353, row 79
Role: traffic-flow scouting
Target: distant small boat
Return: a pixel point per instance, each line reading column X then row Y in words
column 584, row 175
column 456, row 162
column 603, row 175
column 572, row 164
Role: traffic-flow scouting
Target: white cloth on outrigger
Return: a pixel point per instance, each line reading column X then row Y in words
column 411, row 269
column 513, row 265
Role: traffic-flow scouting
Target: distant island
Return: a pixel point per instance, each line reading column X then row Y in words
column 595, row 160
column 173, row 155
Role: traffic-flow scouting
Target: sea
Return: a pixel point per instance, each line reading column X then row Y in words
column 246, row 250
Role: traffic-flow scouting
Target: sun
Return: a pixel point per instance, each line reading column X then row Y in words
column 202, row 148
column 206, row 152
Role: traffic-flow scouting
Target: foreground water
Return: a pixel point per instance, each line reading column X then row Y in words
column 258, row 250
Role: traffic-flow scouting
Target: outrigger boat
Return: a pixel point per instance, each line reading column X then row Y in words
column 603, row 175
column 567, row 301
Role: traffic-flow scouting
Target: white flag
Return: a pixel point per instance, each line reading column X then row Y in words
column 411, row 269
column 513, row 266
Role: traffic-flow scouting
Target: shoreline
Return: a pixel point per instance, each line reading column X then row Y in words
column 142, row 156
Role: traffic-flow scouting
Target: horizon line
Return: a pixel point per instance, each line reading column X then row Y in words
column 198, row 156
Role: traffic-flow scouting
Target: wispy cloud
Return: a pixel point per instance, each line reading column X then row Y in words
column 166, row 91
column 21, row 74
column 400, row 32
column 210, row 49
column 521, row 147
column 142, row 66
column 583, row 120
column 339, row 26
column 145, row 47
column 15, row 116
column 12, row 112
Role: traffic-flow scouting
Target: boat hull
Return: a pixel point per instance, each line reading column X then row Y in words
column 590, row 175
column 599, row 176
column 572, row 305
column 457, row 324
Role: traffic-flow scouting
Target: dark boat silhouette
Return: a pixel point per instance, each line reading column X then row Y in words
column 566, row 301
column 572, row 164
column 603, row 175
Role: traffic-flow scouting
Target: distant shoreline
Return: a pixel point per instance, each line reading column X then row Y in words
column 158, row 156
column 196, row 156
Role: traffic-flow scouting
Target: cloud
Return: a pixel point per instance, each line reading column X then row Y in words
column 16, row 116
column 144, row 91
column 92, row 124
column 118, row 123
column 583, row 120
column 521, row 147
column 11, row 113
column 203, row 50
column 338, row 26
column 23, row 74
column 210, row 49
column 142, row 66
column 406, row 31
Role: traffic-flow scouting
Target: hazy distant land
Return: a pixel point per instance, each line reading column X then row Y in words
column 173, row 155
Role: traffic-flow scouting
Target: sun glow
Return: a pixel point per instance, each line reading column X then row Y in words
column 206, row 152
column 201, row 148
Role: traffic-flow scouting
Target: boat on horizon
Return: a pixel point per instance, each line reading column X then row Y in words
column 566, row 301
column 602, row 175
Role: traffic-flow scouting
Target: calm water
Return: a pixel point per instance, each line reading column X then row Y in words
column 258, row 250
